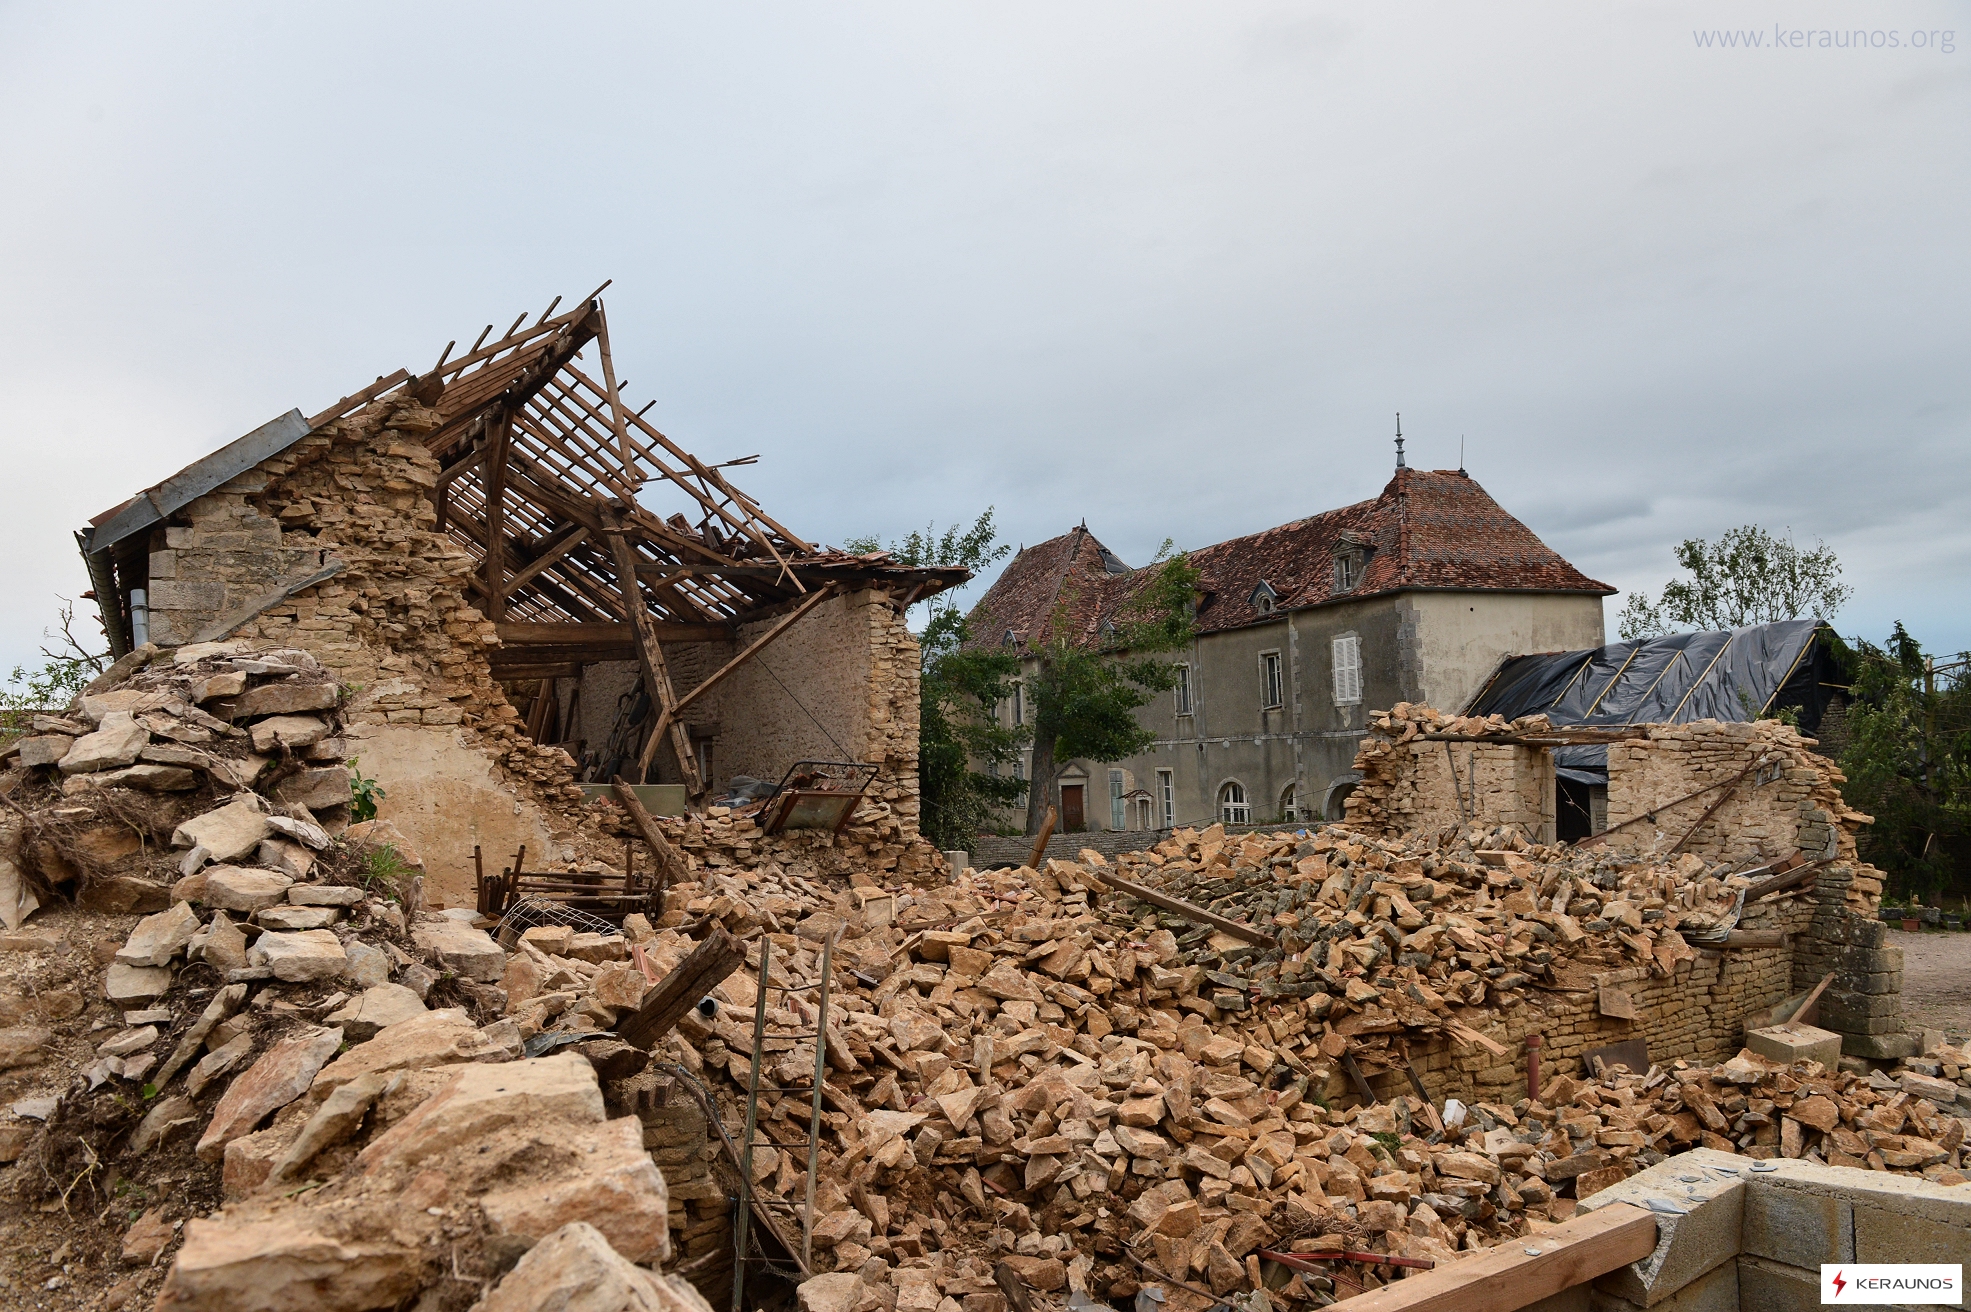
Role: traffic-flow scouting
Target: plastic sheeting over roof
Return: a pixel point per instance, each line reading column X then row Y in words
column 1736, row 674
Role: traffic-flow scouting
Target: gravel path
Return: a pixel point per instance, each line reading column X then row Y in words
column 1936, row 980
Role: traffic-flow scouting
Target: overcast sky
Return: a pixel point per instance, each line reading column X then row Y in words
column 1168, row 267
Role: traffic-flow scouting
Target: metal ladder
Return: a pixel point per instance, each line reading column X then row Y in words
column 741, row 1230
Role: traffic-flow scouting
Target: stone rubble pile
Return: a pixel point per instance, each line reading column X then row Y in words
column 1036, row 1083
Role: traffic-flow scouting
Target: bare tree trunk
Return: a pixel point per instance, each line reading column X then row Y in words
column 1040, row 785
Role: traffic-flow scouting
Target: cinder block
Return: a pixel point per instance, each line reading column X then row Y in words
column 1886, row 1235
column 1767, row 1286
column 1796, row 1227
column 1880, row 1046
column 1687, row 1246
column 1791, row 1043
column 1714, row 1291
column 1895, row 1218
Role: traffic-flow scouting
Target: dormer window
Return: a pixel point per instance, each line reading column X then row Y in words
column 1348, row 571
column 1264, row 599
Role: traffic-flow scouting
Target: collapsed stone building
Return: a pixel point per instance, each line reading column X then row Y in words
column 525, row 585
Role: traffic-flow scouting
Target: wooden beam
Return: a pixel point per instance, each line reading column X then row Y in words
column 1243, row 932
column 627, row 456
column 517, row 673
column 753, row 648
column 573, row 537
column 678, row 992
column 494, row 478
column 354, row 399
column 555, row 633
column 671, row 867
column 650, row 652
column 1521, row 1272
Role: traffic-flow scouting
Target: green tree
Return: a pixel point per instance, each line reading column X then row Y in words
column 1085, row 696
column 1908, row 763
column 66, row 668
column 1748, row 576
column 960, row 685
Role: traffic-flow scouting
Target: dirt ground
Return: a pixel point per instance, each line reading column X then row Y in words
column 1936, row 980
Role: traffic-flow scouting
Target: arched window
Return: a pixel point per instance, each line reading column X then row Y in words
column 1290, row 808
column 1233, row 806
column 1338, row 800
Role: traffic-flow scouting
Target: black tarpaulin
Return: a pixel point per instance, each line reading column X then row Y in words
column 1736, row 674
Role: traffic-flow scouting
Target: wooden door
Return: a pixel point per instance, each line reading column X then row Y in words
column 1072, row 821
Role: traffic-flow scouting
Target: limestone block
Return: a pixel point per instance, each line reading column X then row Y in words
column 221, row 944
column 1896, row 1218
column 1797, row 1227
column 282, row 1074
column 290, row 731
column 293, row 917
column 1791, row 1043
column 376, row 1008
column 1714, row 1291
column 244, row 888
column 317, row 789
column 618, row 1190
column 147, row 778
column 291, row 696
column 159, row 938
column 283, row 1264
column 116, row 744
column 575, row 1270
column 45, row 749
column 482, row 1099
column 437, row 1038
column 228, row 833
column 298, row 957
column 285, row 856
column 462, row 949
column 127, row 985
column 367, row 966
column 324, row 895
column 1768, row 1286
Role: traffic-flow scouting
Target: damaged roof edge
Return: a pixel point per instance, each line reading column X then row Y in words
column 194, row 481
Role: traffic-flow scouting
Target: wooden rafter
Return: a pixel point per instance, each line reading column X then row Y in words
column 649, row 650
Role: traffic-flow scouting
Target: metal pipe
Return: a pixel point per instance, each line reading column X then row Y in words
column 740, row 1237
column 814, row 1118
column 1533, row 1067
column 140, row 616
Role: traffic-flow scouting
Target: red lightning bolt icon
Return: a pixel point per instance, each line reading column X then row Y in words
column 1839, row 1284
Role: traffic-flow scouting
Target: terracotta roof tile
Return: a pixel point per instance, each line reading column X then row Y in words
column 1429, row 529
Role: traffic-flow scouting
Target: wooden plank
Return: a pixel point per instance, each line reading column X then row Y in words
column 628, row 457
column 354, row 399
column 1243, row 932
column 697, row 975
column 1786, row 879
column 583, row 632
column 1756, row 938
column 1521, row 1272
column 671, row 867
column 649, row 651
column 753, row 648
column 567, row 542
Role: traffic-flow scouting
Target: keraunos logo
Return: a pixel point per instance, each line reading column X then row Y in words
column 1905, row 1284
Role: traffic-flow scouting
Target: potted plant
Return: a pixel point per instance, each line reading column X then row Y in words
column 1912, row 917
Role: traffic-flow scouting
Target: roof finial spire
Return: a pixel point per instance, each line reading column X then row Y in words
column 1399, row 440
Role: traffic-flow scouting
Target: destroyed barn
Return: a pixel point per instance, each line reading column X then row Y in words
column 770, row 1051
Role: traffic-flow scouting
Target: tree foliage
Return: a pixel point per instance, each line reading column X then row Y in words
column 960, row 687
column 1748, row 576
column 67, row 667
column 1085, row 696
column 1908, row 763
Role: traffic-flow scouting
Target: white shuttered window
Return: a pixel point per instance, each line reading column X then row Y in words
column 1348, row 670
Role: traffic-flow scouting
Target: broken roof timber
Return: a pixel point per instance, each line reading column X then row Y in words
column 565, row 445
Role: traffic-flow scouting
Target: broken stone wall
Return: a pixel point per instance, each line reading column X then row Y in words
column 393, row 623
column 1421, row 785
column 839, row 685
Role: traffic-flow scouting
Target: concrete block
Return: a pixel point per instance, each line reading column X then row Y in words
column 1687, row 1246
column 1714, row 1291
column 1791, row 1043
column 1768, row 1286
column 1880, row 1046
column 1896, row 1218
column 1797, row 1227
column 1572, row 1299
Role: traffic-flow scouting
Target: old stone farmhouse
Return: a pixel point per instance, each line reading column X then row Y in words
column 525, row 585
column 1412, row 596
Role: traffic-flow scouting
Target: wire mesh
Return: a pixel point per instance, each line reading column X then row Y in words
column 532, row 912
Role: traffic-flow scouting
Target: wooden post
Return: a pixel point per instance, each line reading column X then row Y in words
column 1046, row 832
column 698, row 974
column 498, row 434
column 649, row 651
column 665, row 718
column 670, row 862
column 1197, row 914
